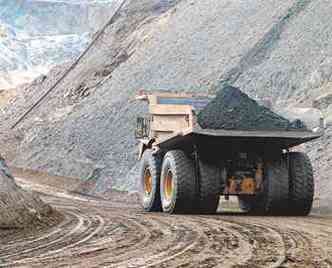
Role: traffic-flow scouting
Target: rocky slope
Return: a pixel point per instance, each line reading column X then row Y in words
column 276, row 50
column 33, row 39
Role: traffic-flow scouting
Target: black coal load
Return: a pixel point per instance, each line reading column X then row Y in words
column 234, row 110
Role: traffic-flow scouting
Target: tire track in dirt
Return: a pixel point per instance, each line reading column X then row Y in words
column 165, row 240
column 109, row 234
column 299, row 236
column 264, row 246
column 212, row 246
column 78, row 229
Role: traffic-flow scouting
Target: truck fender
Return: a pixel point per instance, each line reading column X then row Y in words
column 143, row 145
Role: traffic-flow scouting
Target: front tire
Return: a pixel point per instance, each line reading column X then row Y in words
column 150, row 181
column 177, row 187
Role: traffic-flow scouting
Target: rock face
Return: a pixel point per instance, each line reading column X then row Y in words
column 275, row 50
column 18, row 208
column 233, row 109
column 33, row 38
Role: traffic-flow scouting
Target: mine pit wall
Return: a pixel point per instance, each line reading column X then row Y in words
column 42, row 17
column 34, row 39
column 282, row 55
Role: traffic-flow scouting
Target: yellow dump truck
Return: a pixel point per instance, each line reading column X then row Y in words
column 186, row 169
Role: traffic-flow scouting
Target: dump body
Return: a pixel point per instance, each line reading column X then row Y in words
column 173, row 124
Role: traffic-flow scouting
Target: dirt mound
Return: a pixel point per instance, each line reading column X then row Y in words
column 19, row 208
column 233, row 109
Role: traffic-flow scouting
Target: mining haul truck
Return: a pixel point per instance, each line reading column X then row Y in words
column 186, row 169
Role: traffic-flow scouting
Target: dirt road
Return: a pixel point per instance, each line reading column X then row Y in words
column 97, row 233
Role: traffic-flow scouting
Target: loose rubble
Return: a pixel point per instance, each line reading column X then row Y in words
column 233, row 109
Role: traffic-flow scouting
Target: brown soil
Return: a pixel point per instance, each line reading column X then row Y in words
column 99, row 233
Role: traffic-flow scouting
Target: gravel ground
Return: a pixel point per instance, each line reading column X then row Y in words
column 276, row 50
column 99, row 233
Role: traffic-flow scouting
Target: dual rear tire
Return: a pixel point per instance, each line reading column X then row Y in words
column 175, row 187
column 273, row 199
column 301, row 184
column 210, row 181
column 177, row 184
column 288, row 188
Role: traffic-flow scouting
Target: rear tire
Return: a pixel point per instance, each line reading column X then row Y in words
column 301, row 185
column 150, row 181
column 276, row 188
column 177, row 188
column 274, row 198
column 209, row 188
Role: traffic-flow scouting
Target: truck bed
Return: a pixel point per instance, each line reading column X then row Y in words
column 282, row 139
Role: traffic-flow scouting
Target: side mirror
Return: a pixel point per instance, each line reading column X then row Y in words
column 142, row 127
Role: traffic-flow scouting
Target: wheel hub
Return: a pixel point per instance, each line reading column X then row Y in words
column 168, row 185
column 147, row 181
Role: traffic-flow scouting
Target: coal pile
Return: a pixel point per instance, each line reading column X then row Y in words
column 233, row 109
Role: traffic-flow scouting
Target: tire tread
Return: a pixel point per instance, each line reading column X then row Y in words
column 154, row 163
column 185, row 176
column 209, row 188
column 301, row 184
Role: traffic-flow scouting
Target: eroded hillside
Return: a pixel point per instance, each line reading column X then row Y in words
column 270, row 49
